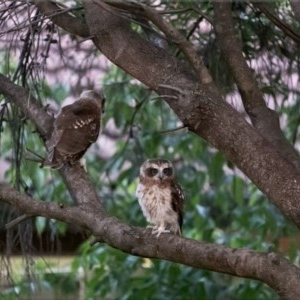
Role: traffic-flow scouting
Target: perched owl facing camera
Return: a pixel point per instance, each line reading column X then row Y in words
column 75, row 128
column 160, row 196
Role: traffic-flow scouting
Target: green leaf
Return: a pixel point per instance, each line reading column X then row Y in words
column 40, row 224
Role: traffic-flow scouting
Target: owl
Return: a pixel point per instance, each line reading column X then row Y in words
column 75, row 128
column 160, row 196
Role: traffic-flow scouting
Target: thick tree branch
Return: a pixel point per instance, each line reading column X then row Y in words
column 125, row 47
column 231, row 47
column 30, row 106
column 270, row 268
column 295, row 4
column 265, row 120
column 32, row 207
column 64, row 20
column 171, row 33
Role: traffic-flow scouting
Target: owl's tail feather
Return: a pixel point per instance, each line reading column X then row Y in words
column 53, row 160
column 176, row 229
column 52, row 164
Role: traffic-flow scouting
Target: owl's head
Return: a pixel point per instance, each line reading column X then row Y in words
column 98, row 96
column 157, row 169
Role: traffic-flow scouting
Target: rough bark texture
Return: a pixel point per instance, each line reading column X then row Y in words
column 295, row 4
column 265, row 120
column 201, row 108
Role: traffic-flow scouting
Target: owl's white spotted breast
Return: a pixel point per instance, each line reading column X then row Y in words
column 156, row 204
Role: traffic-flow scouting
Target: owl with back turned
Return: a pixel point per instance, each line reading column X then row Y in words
column 160, row 196
column 76, row 127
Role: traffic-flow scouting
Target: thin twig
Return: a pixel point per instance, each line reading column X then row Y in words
column 285, row 28
column 172, row 129
column 170, row 87
column 16, row 221
column 42, row 18
column 35, row 158
column 190, row 33
column 163, row 96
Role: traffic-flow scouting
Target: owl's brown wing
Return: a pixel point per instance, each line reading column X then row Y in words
column 75, row 129
column 80, row 126
column 177, row 201
column 52, row 143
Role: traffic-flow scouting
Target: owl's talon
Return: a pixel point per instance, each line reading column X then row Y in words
column 160, row 230
column 82, row 163
column 151, row 226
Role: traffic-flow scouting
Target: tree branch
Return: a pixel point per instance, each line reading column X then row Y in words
column 296, row 9
column 33, row 207
column 171, row 33
column 265, row 120
column 64, row 20
column 270, row 268
column 30, row 106
column 125, row 47
column 285, row 28
column 16, row 221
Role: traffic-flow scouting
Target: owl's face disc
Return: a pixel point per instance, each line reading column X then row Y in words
column 157, row 169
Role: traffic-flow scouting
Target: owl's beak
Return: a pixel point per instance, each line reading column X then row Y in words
column 160, row 176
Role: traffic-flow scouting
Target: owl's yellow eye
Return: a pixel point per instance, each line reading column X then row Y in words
column 168, row 171
column 152, row 172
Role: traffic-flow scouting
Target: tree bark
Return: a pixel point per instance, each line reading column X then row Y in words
column 295, row 4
